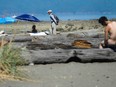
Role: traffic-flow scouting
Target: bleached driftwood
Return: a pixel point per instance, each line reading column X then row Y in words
column 65, row 56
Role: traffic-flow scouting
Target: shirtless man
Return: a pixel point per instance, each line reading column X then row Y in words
column 110, row 32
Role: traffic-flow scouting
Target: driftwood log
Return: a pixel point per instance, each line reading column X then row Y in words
column 53, row 39
column 65, row 56
column 59, row 49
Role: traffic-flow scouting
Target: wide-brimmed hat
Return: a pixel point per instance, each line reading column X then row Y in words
column 50, row 11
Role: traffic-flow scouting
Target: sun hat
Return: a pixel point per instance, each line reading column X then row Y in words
column 50, row 11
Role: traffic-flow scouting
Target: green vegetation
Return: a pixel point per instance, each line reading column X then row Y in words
column 9, row 59
column 60, row 29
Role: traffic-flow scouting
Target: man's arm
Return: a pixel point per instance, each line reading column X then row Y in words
column 53, row 18
column 106, row 35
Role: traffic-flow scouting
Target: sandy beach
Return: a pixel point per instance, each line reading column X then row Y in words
column 67, row 75
column 68, row 58
column 63, row 75
column 64, row 26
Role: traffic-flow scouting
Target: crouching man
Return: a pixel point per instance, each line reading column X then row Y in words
column 109, row 32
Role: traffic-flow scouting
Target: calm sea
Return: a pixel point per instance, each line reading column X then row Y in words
column 70, row 16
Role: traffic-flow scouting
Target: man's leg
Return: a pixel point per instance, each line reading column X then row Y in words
column 112, row 42
column 101, row 45
column 111, row 45
column 54, row 28
column 51, row 30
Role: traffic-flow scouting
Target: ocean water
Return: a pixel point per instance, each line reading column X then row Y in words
column 80, row 16
column 68, row 16
column 65, row 9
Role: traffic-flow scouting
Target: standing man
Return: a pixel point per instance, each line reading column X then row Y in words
column 109, row 32
column 54, row 22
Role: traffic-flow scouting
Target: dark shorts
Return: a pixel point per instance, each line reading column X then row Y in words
column 113, row 47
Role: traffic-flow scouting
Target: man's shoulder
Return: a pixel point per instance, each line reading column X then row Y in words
column 51, row 14
column 114, row 22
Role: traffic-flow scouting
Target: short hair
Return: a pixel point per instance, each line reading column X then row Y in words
column 102, row 20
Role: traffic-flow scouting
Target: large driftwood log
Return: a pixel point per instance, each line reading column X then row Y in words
column 65, row 56
column 60, row 37
column 58, row 49
column 50, row 41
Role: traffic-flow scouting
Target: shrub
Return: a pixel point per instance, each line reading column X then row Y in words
column 9, row 59
column 60, row 29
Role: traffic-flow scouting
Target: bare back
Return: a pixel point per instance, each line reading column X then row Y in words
column 112, row 31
